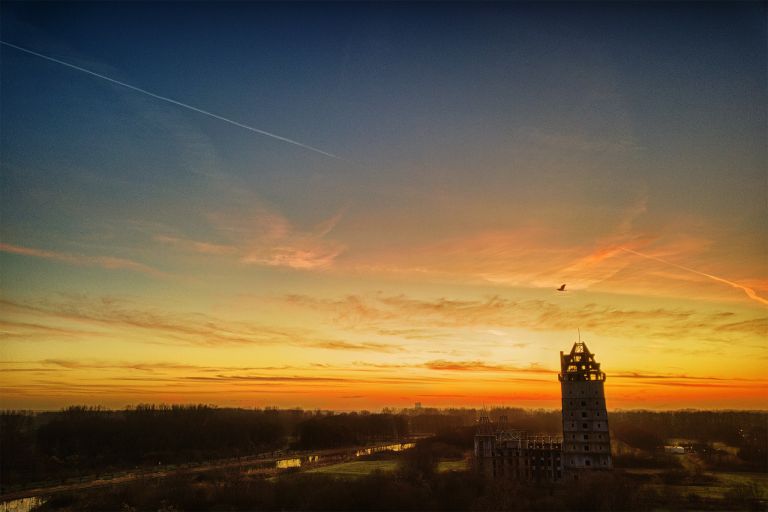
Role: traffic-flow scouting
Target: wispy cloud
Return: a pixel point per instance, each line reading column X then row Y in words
column 107, row 262
column 165, row 327
column 345, row 345
column 10, row 329
column 270, row 239
column 196, row 246
column 258, row 235
column 379, row 311
column 482, row 366
column 747, row 290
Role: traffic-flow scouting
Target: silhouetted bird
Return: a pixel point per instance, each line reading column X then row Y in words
column 561, row 289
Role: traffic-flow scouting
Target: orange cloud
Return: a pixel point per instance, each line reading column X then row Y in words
column 260, row 236
column 481, row 366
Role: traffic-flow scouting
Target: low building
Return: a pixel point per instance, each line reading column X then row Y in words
column 502, row 452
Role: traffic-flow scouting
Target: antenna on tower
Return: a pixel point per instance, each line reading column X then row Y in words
column 579, row 331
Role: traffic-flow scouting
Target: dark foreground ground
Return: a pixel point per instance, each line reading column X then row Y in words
column 417, row 480
column 200, row 458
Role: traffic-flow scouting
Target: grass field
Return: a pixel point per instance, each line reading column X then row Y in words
column 452, row 465
column 365, row 467
column 725, row 481
column 356, row 468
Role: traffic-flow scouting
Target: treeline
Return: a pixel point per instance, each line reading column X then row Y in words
column 747, row 431
column 90, row 440
column 332, row 431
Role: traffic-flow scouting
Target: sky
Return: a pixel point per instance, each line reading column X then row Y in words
column 357, row 206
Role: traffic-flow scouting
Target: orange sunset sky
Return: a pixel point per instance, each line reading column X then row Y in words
column 364, row 206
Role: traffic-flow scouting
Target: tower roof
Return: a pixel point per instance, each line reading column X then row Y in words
column 580, row 364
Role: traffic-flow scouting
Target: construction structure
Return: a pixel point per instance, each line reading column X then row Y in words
column 586, row 442
column 501, row 451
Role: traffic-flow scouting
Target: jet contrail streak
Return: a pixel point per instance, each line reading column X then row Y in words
column 749, row 291
column 169, row 100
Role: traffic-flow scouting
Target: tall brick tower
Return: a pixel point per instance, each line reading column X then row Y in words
column 586, row 442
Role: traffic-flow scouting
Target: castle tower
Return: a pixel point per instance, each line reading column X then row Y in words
column 586, row 442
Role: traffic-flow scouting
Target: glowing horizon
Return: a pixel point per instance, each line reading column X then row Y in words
column 149, row 254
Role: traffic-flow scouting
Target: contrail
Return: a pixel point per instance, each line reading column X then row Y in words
column 749, row 291
column 169, row 100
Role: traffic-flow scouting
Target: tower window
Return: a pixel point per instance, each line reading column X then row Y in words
column 587, row 462
column 583, row 414
column 584, row 425
column 583, row 403
column 586, row 448
column 586, row 436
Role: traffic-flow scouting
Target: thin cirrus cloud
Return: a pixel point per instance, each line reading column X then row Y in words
column 482, row 366
column 260, row 236
column 538, row 255
column 107, row 262
column 379, row 311
column 101, row 317
column 747, row 290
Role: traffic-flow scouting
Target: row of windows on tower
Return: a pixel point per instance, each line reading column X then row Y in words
column 588, row 462
column 584, row 413
column 585, row 425
column 581, row 392
column 586, row 437
column 584, row 403
column 586, row 448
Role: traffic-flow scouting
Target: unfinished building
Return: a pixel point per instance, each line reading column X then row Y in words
column 585, row 445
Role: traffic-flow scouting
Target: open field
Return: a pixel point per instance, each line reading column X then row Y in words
column 366, row 467
column 356, row 468
column 724, row 482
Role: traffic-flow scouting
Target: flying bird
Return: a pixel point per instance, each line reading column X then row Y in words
column 562, row 288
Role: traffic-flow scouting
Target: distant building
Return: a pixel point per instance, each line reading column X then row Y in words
column 501, row 451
